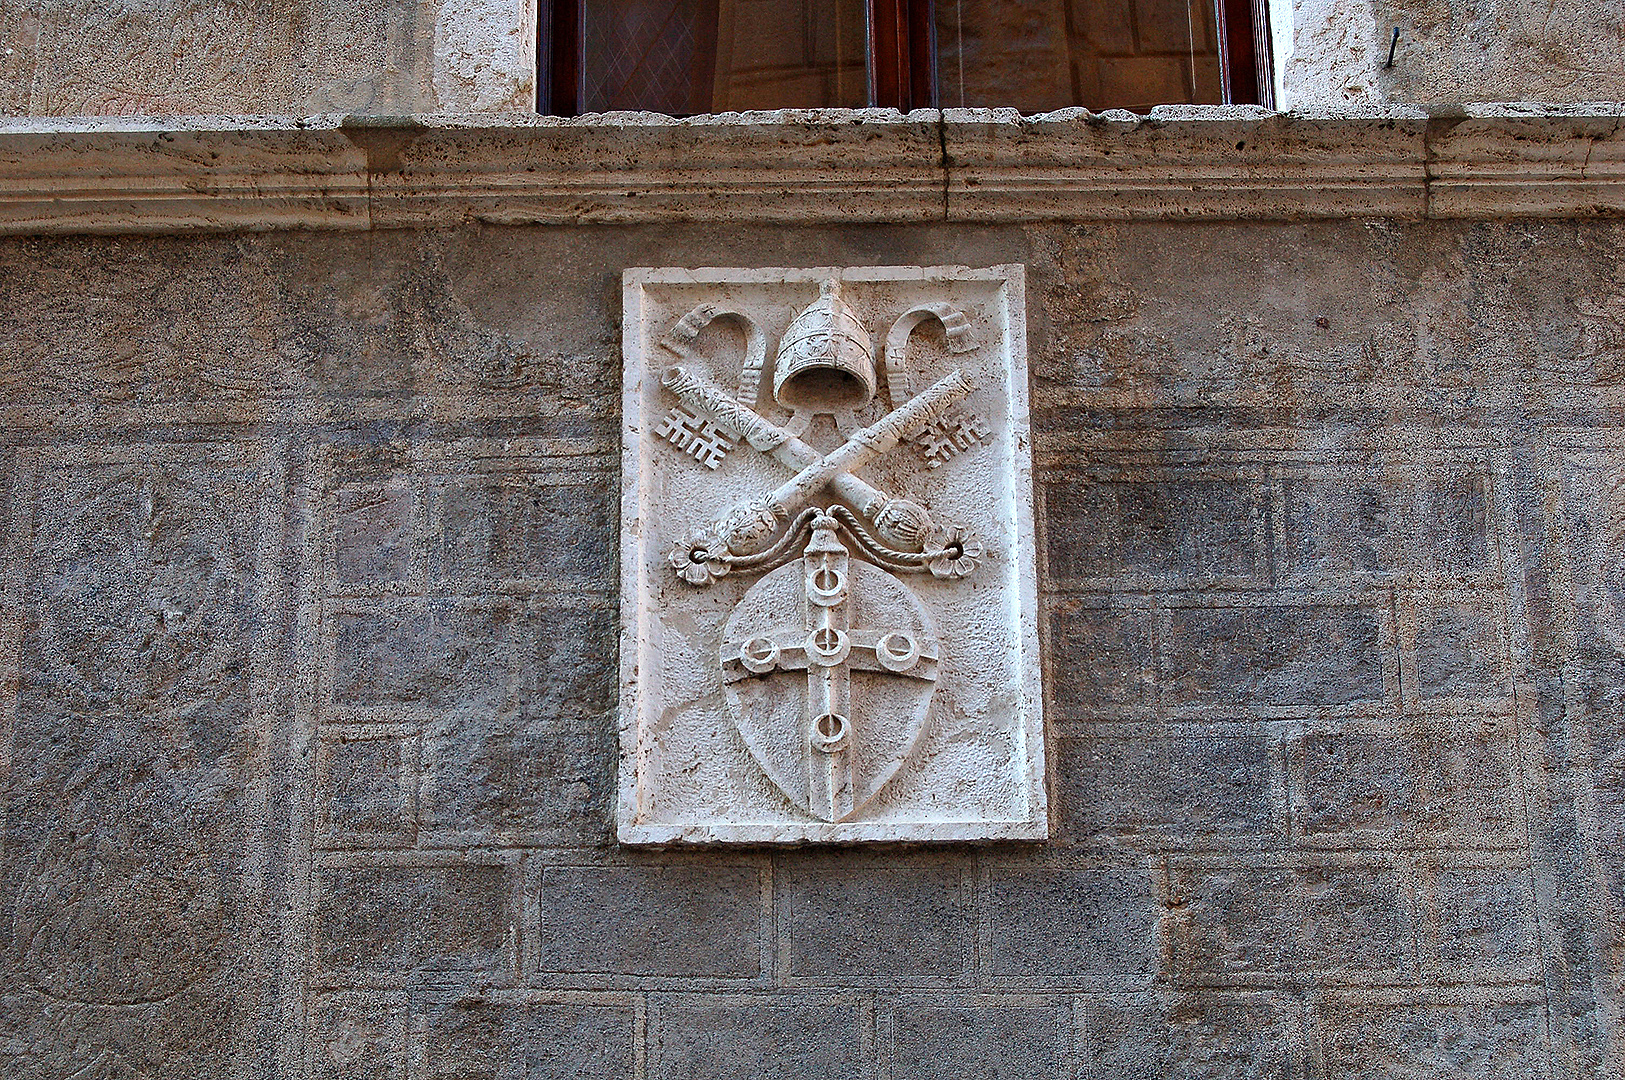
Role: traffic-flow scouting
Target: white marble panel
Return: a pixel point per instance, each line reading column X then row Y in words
column 829, row 625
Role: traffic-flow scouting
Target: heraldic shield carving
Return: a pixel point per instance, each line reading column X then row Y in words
column 828, row 622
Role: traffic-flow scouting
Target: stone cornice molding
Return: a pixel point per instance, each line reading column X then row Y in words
column 123, row 175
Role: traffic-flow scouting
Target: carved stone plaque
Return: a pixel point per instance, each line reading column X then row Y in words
column 829, row 623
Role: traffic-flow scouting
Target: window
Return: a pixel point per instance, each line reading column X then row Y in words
column 696, row 56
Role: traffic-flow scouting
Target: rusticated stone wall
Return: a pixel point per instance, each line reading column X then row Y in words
column 298, row 57
column 1333, row 54
column 307, row 673
column 1504, row 50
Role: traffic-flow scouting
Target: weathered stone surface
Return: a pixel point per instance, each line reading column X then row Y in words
column 1015, row 1041
column 778, row 1039
column 1182, row 532
column 1208, row 1036
column 356, row 1035
column 1076, row 927
column 1230, row 923
column 1503, row 51
column 1190, row 786
column 366, row 789
column 523, row 1041
column 141, row 795
column 651, row 920
column 307, row 741
column 1487, row 920
column 1122, row 671
column 1273, row 656
column 914, row 923
column 445, row 918
column 1436, row 1040
column 88, row 57
column 1427, row 784
column 837, row 167
column 1334, row 53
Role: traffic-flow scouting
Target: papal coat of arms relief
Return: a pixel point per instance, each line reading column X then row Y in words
column 829, row 629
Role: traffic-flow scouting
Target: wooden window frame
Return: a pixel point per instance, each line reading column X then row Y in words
column 902, row 54
column 558, row 57
column 1246, row 55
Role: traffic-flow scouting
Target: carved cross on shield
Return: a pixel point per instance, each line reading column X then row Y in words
column 832, row 702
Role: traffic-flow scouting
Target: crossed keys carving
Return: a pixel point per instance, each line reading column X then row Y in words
column 908, row 537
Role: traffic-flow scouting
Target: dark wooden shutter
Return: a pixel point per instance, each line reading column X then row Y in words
column 902, row 54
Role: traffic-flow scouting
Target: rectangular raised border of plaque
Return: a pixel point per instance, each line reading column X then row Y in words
column 999, row 321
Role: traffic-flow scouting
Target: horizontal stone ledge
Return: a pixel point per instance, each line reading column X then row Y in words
column 174, row 174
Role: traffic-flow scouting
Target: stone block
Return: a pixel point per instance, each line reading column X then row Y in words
column 366, row 785
column 1193, row 1036
column 781, row 1039
column 1473, row 780
column 1341, row 527
column 1355, row 783
column 1487, row 919
column 392, row 331
column 1452, row 524
column 1432, row 1042
column 1608, row 784
column 476, row 657
column 1234, row 921
column 485, row 1041
column 1178, row 530
column 1460, row 649
column 994, row 1042
column 1456, row 783
column 1231, row 923
column 871, row 922
column 1596, row 513
column 359, row 1036
column 372, row 534
column 485, row 530
column 1337, row 527
column 1355, row 919
column 1366, row 524
column 444, row 657
column 1182, row 789
column 670, row 921
column 1273, row 656
column 142, row 582
column 1072, row 924
column 567, row 674
column 395, row 918
column 489, row 780
column 1100, row 659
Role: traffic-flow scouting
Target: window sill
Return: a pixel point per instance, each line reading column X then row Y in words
column 170, row 174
